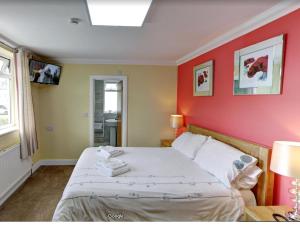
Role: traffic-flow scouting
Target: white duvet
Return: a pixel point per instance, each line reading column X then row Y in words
column 162, row 185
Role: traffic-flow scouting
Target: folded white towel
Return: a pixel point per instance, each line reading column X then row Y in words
column 112, row 167
column 107, row 152
column 111, row 163
column 111, row 173
column 106, row 155
column 108, row 148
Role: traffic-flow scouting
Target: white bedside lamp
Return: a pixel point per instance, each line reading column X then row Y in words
column 176, row 122
column 286, row 161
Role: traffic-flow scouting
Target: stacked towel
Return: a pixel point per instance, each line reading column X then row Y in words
column 112, row 163
column 112, row 167
column 107, row 152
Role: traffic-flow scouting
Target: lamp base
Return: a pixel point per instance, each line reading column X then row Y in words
column 293, row 216
column 175, row 132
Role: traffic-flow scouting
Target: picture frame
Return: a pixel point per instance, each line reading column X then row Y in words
column 258, row 68
column 203, row 79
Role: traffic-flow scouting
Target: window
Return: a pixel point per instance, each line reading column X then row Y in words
column 111, row 97
column 6, row 90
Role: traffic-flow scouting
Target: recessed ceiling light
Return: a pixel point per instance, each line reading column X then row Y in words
column 130, row 13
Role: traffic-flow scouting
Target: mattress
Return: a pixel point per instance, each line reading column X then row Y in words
column 162, row 185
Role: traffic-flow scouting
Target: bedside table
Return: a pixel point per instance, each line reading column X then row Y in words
column 264, row 213
column 166, row 142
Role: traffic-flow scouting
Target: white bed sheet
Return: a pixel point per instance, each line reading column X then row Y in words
column 163, row 185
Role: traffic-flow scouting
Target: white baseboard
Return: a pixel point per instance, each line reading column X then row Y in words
column 53, row 162
column 14, row 187
column 35, row 166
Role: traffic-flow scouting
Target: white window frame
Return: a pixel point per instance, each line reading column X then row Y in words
column 12, row 89
column 115, row 91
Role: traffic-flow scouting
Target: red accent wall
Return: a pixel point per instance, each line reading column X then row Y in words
column 261, row 119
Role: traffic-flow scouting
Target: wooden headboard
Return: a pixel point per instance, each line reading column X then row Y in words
column 264, row 188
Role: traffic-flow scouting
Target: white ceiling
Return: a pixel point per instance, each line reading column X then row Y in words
column 172, row 29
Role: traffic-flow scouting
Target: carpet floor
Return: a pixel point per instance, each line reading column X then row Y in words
column 37, row 198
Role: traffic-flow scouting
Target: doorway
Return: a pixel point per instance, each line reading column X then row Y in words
column 108, row 111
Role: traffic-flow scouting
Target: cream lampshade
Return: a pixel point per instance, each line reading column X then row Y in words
column 176, row 121
column 286, row 161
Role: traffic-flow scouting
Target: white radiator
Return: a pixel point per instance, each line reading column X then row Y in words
column 13, row 171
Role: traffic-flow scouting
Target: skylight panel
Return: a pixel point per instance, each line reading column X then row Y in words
column 130, row 13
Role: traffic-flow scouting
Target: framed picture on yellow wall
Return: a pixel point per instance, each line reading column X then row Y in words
column 203, row 79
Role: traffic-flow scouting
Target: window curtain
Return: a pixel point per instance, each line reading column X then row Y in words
column 27, row 129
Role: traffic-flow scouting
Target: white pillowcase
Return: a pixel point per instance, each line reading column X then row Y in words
column 179, row 142
column 223, row 161
column 247, row 179
column 189, row 144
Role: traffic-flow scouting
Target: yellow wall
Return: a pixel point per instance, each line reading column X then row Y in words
column 151, row 99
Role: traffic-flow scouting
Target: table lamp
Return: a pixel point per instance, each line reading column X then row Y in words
column 176, row 122
column 286, row 161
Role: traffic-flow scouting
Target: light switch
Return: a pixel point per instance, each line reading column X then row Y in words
column 50, row 128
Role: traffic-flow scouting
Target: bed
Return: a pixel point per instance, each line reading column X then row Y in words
column 163, row 185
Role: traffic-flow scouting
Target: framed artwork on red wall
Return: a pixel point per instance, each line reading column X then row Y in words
column 258, row 68
column 203, row 79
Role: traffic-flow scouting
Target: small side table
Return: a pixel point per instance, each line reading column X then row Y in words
column 166, row 142
column 264, row 213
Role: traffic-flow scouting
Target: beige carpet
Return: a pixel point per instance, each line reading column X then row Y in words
column 37, row 198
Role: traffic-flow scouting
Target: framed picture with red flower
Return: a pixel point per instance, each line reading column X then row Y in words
column 258, row 68
column 203, row 79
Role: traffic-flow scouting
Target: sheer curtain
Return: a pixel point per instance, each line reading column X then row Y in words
column 27, row 129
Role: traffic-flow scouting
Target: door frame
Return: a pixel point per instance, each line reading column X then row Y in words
column 123, row 78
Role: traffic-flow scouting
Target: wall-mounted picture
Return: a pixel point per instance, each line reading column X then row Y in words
column 203, row 79
column 258, row 68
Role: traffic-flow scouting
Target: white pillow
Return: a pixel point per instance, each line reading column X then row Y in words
column 223, row 161
column 179, row 142
column 189, row 144
column 247, row 179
